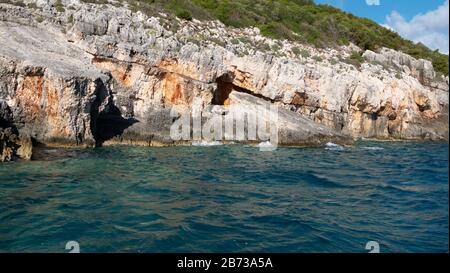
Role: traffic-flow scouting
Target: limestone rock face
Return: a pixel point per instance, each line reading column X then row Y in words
column 422, row 70
column 51, row 87
column 12, row 145
column 293, row 129
column 7, row 144
column 87, row 74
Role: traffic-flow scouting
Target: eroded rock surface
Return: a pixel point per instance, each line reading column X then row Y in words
column 293, row 129
column 85, row 74
column 12, row 144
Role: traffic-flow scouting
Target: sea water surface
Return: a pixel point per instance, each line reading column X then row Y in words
column 229, row 199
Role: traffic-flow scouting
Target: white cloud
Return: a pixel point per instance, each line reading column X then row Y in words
column 430, row 28
column 373, row 2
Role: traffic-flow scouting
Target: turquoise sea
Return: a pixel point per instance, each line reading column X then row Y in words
column 231, row 198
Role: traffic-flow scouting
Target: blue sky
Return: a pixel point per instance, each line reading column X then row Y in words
column 425, row 21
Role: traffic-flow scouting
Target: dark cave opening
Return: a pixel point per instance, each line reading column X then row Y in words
column 108, row 123
column 224, row 88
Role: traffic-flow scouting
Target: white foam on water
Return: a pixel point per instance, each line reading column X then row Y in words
column 372, row 148
column 333, row 147
column 205, row 143
column 266, row 144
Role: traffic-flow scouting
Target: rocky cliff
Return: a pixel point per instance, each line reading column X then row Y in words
column 85, row 74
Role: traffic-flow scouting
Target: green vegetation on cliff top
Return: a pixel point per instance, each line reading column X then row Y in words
column 299, row 20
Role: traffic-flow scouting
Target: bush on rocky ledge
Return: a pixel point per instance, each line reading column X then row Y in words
column 299, row 20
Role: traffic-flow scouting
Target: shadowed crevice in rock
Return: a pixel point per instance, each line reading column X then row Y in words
column 106, row 120
column 224, row 88
column 12, row 145
column 111, row 125
column 6, row 117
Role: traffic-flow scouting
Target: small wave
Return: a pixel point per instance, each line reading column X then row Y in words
column 333, row 147
column 265, row 144
column 317, row 180
column 372, row 148
column 205, row 143
column 125, row 229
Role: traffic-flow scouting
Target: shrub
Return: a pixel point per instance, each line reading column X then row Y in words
column 333, row 61
column 355, row 59
column 59, row 6
column 317, row 58
column 245, row 40
column 263, row 47
column 32, row 5
column 304, row 53
column 234, row 41
column 218, row 42
column 184, row 14
column 18, row 3
column 296, row 51
column 297, row 20
column 95, row 1
column 70, row 20
column 276, row 48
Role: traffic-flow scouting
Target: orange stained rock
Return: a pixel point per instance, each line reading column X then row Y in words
column 52, row 102
column 243, row 80
column 55, row 118
column 299, row 99
column 29, row 94
column 172, row 90
column 186, row 69
column 119, row 71
column 39, row 98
